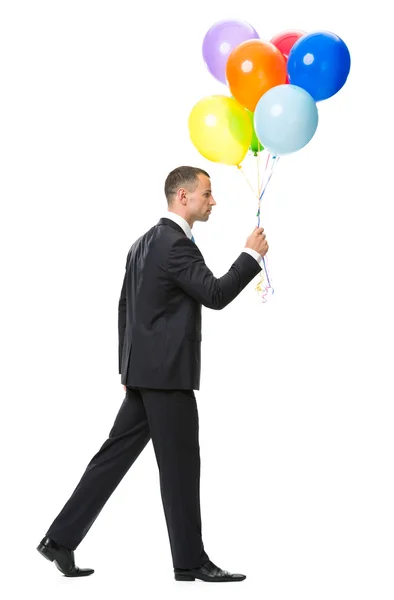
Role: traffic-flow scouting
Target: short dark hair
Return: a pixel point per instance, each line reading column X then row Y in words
column 179, row 177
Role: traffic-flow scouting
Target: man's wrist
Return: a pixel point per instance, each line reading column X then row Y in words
column 254, row 253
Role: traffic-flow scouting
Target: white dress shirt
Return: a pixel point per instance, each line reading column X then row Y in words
column 186, row 228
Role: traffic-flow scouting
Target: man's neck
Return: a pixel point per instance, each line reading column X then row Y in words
column 183, row 217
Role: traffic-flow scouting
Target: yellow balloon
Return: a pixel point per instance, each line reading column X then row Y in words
column 220, row 129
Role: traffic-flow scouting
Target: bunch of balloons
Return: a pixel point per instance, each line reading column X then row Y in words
column 272, row 105
column 274, row 87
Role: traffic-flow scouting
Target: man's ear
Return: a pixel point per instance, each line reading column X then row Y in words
column 182, row 195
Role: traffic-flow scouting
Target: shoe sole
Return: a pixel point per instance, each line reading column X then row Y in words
column 179, row 577
column 184, row 578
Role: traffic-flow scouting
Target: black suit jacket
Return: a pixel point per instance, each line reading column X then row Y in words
column 165, row 283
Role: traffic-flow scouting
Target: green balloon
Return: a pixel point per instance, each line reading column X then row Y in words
column 255, row 146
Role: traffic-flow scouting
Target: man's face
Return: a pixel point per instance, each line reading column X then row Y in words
column 200, row 201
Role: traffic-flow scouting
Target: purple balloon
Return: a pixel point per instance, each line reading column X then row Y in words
column 220, row 40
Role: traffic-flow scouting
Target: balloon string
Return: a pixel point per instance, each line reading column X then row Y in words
column 275, row 159
column 259, row 196
column 265, row 171
column 247, row 179
column 268, row 286
column 265, row 183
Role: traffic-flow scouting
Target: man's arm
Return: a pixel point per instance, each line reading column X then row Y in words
column 122, row 310
column 187, row 269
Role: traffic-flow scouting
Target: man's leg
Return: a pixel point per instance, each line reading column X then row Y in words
column 173, row 423
column 127, row 438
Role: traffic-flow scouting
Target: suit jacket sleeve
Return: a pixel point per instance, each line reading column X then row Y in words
column 122, row 313
column 187, row 269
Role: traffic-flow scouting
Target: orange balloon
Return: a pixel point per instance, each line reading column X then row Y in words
column 254, row 67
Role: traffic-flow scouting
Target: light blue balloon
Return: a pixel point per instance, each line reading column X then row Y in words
column 285, row 119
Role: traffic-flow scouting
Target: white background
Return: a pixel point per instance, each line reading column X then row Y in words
column 296, row 398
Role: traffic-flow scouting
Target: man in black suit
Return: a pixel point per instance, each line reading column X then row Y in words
column 165, row 284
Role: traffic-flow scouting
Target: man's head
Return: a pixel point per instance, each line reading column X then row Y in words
column 188, row 192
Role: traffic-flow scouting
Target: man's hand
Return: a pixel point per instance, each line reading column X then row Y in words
column 257, row 241
column 124, row 388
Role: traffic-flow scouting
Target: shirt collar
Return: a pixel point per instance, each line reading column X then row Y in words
column 181, row 222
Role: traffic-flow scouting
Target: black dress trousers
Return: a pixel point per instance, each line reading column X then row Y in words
column 170, row 418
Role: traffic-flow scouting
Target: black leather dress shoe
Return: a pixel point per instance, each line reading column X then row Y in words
column 207, row 572
column 62, row 557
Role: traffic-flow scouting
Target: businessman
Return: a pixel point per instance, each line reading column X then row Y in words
column 165, row 284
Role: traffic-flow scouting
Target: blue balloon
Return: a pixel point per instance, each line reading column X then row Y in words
column 319, row 62
column 285, row 119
